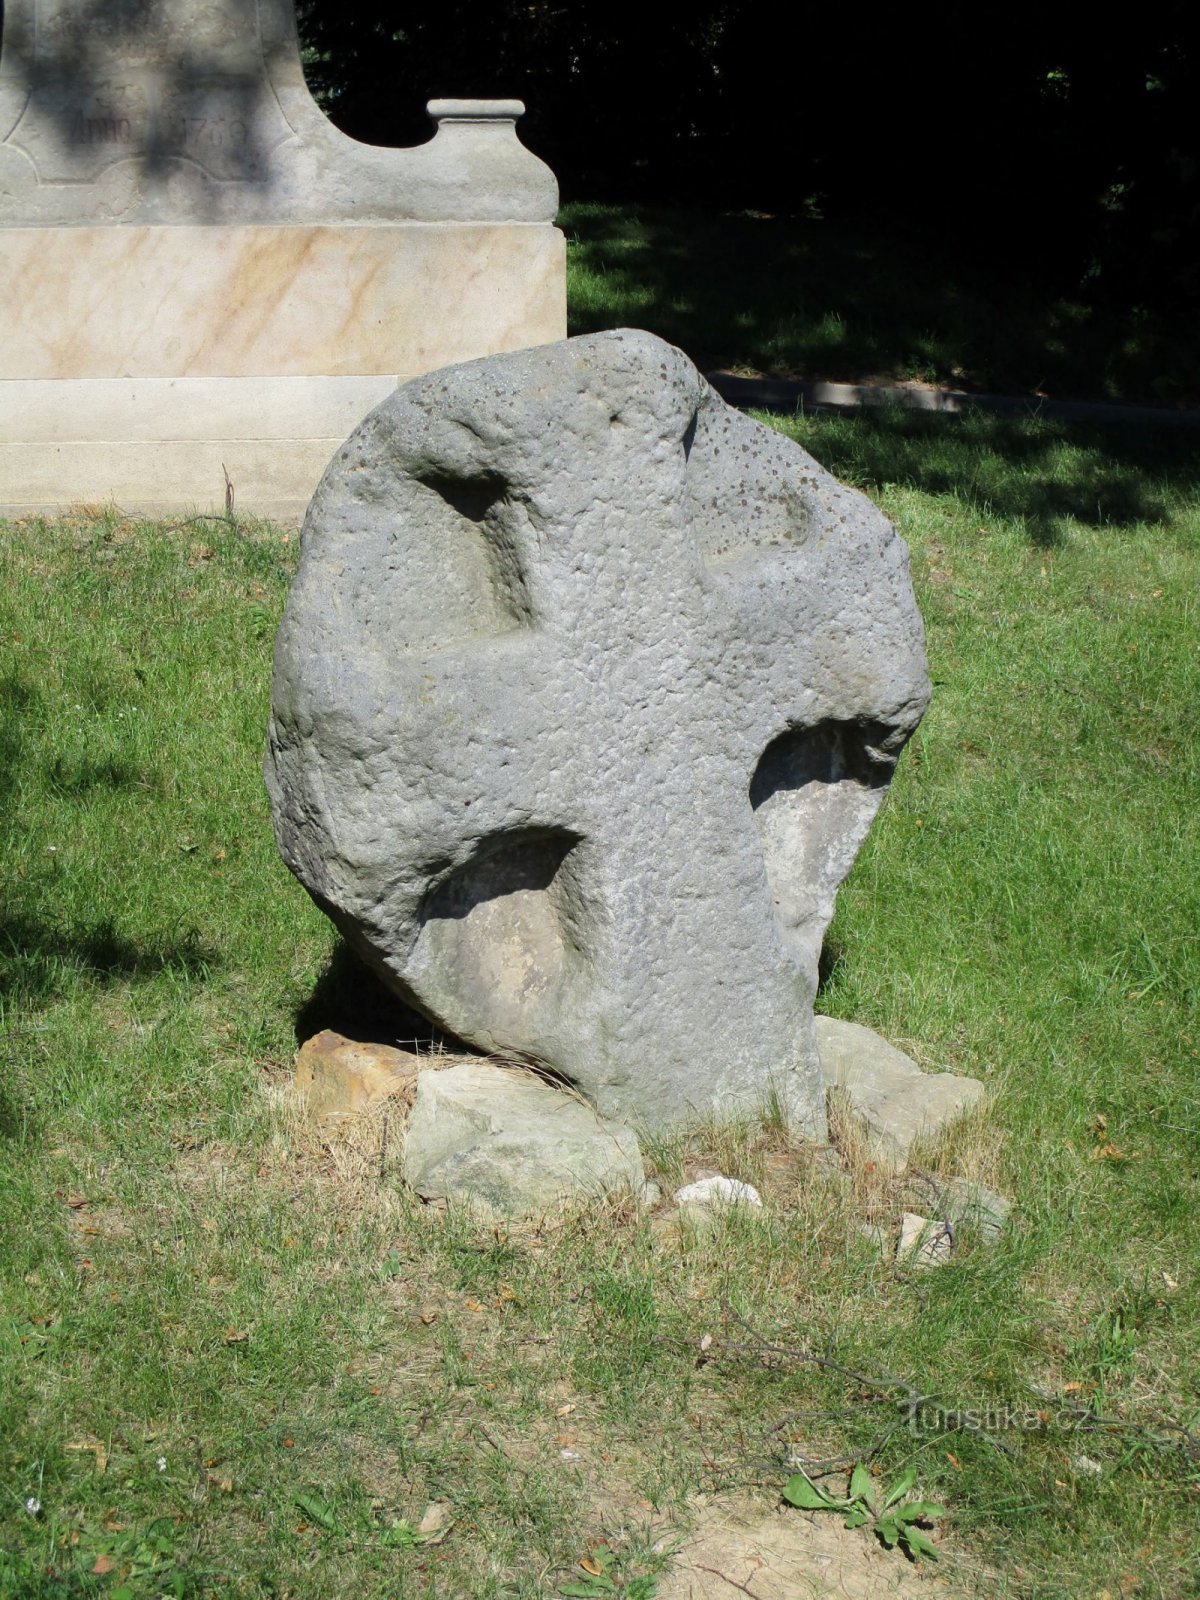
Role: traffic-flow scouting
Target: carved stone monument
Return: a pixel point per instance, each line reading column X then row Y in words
column 586, row 694
column 201, row 273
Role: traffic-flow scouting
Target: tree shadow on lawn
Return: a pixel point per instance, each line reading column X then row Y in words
column 17, row 1123
column 35, row 955
column 19, row 702
column 1042, row 472
column 852, row 299
column 72, row 777
column 774, row 295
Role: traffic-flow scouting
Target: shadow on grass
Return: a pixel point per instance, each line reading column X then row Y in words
column 775, row 295
column 72, row 779
column 1044, row 473
column 20, row 1579
column 16, row 1122
column 19, row 701
column 36, row 956
column 350, row 999
column 830, row 964
column 851, row 300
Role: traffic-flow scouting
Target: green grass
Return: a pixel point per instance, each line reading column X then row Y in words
column 848, row 301
column 280, row 1360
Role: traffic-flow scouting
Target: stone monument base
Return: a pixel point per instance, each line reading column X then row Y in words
column 157, row 446
column 138, row 364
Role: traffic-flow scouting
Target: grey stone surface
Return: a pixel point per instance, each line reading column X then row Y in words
column 168, row 111
column 871, row 1233
column 893, row 1101
column 966, row 1204
column 587, row 691
column 969, row 1207
column 924, row 1242
column 504, row 1142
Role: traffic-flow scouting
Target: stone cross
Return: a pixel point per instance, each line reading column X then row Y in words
column 587, row 691
column 197, row 111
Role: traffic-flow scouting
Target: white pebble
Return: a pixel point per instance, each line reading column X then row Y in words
column 718, row 1191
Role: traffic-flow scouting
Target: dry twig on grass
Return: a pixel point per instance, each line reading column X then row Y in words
column 895, row 1391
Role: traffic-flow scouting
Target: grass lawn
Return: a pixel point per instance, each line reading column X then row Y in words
column 851, row 301
column 237, row 1360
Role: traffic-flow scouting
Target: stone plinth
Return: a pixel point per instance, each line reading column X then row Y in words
column 138, row 362
column 201, row 273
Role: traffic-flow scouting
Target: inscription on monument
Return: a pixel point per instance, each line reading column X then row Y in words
column 182, row 111
column 172, row 82
column 201, row 275
column 133, row 32
column 101, row 130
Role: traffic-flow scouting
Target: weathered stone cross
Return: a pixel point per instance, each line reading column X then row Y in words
column 587, row 692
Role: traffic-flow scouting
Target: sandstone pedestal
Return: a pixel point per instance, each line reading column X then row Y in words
column 203, row 276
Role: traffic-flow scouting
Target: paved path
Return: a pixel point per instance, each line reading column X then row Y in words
column 788, row 394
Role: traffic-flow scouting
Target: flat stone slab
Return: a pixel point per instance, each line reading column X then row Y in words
column 505, row 1142
column 969, row 1205
column 338, row 1077
column 716, row 1192
column 923, row 1242
column 888, row 1095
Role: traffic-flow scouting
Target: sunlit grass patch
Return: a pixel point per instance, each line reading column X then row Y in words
column 190, row 1275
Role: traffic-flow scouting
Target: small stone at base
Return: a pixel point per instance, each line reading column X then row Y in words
column 505, row 1142
column 886, row 1093
column 923, row 1242
column 716, row 1191
column 339, row 1077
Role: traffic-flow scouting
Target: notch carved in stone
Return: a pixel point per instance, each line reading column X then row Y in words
column 504, row 928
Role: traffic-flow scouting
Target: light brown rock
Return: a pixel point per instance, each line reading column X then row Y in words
column 886, row 1092
column 339, row 1078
